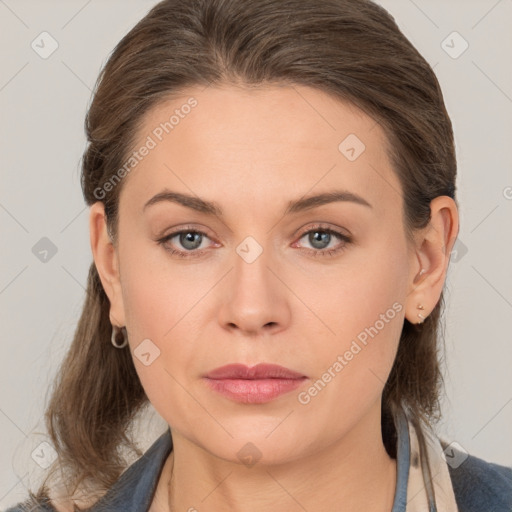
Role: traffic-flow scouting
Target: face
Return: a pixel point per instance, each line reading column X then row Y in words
column 317, row 287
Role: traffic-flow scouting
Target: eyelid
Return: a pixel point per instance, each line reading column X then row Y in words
column 187, row 228
column 324, row 227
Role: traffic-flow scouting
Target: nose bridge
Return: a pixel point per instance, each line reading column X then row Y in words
column 254, row 298
column 251, row 278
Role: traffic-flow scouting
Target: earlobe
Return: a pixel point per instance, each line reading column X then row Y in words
column 106, row 261
column 432, row 252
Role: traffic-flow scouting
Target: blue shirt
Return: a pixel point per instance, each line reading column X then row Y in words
column 479, row 486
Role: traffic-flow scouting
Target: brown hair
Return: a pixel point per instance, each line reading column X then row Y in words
column 351, row 49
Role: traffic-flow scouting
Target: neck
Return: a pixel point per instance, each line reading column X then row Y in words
column 355, row 472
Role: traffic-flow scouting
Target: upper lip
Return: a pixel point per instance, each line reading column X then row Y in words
column 259, row 371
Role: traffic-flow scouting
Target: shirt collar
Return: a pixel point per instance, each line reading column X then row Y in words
column 135, row 488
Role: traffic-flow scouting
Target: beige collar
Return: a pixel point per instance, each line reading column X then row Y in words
column 429, row 488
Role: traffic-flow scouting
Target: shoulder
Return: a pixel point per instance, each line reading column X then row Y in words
column 133, row 491
column 480, row 485
column 32, row 505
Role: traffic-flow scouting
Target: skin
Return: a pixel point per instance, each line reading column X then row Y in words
column 252, row 152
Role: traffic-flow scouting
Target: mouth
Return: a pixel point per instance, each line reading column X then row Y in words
column 253, row 385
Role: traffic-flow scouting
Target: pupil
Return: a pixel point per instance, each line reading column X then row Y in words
column 323, row 238
column 188, row 239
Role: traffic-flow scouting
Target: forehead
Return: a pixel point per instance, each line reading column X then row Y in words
column 286, row 138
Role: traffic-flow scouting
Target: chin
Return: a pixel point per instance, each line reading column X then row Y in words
column 260, row 442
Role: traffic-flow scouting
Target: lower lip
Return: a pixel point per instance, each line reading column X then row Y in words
column 253, row 391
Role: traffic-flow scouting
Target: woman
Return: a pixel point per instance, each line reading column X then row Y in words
column 272, row 209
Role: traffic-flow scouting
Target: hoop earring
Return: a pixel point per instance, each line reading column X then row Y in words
column 117, row 333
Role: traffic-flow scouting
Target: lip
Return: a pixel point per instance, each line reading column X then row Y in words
column 253, row 385
column 259, row 371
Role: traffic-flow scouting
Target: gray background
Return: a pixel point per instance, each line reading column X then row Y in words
column 43, row 103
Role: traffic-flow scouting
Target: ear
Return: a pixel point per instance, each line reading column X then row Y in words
column 107, row 263
column 431, row 257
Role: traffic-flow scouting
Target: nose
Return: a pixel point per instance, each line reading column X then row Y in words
column 253, row 299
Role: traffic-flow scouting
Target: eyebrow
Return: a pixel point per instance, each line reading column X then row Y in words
column 299, row 205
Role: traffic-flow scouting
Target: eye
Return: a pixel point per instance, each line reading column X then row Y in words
column 191, row 240
column 321, row 239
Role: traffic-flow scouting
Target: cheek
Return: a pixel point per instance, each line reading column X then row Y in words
column 168, row 303
column 162, row 325
column 367, row 290
column 366, row 313
column 362, row 310
column 158, row 292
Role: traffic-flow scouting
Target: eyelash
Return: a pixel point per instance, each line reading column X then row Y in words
column 313, row 252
